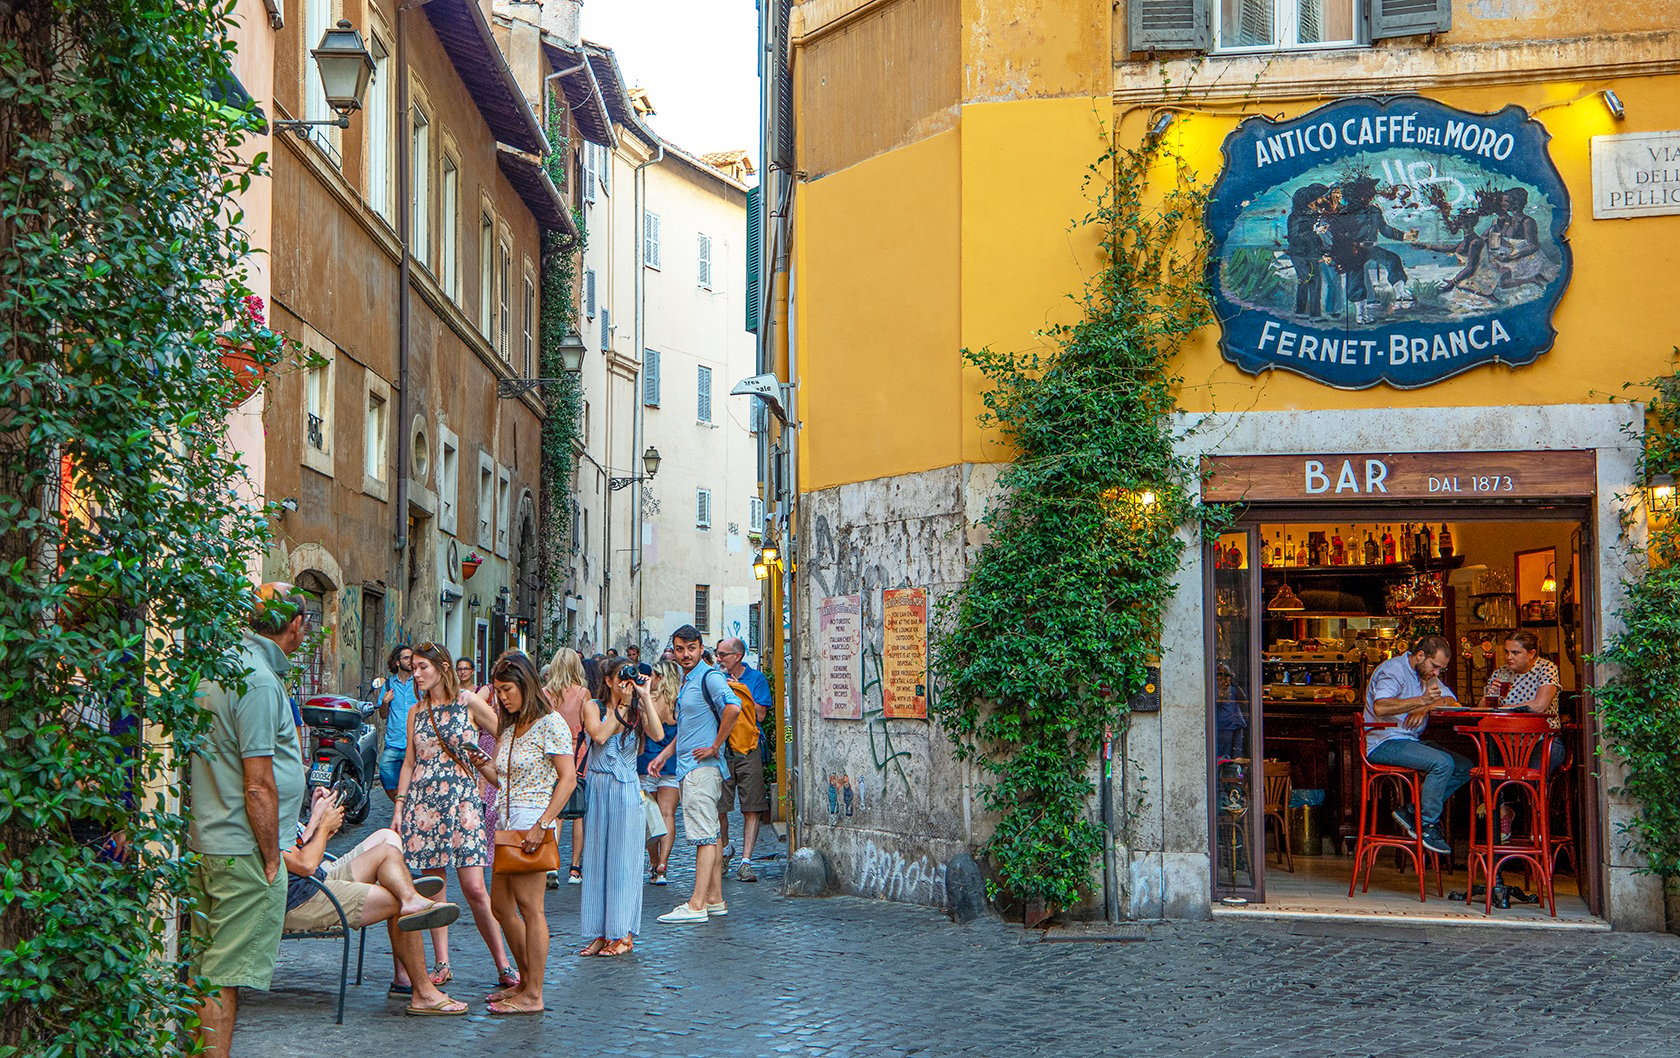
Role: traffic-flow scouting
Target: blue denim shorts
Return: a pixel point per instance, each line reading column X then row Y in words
column 390, row 767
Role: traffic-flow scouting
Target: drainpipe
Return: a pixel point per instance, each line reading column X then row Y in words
column 639, row 182
column 405, row 151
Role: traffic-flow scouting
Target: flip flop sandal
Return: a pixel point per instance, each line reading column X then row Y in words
column 508, row 978
column 397, row 991
column 432, row 917
column 438, row 1010
column 429, row 885
column 503, row 1010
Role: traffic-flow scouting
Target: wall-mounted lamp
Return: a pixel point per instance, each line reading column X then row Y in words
column 449, row 597
column 761, row 570
column 1161, row 124
column 473, row 603
column 1659, row 493
column 286, row 506
column 345, row 66
column 650, row 462
column 1613, row 103
column 502, row 595
column 571, row 350
column 770, row 554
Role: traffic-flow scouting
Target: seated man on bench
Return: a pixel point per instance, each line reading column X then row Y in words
column 371, row 882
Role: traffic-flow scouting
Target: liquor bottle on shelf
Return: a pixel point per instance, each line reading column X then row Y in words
column 1266, row 553
column 1420, row 548
column 1373, row 552
column 1338, row 550
column 1277, row 549
column 1234, row 557
column 1388, row 545
column 1302, row 558
column 1444, row 541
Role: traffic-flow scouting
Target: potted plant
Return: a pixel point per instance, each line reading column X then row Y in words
column 247, row 352
column 470, row 564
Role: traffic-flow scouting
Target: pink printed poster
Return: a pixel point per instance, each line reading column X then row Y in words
column 839, row 650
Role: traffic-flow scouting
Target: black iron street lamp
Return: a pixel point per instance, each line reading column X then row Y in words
column 571, row 361
column 650, row 462
column 345, row 67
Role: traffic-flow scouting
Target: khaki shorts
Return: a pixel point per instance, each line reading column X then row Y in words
column 746, row 780
column 702, row 788
column 239, row 911
column 317, row 913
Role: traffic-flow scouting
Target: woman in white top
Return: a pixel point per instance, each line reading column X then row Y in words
column 535, row 772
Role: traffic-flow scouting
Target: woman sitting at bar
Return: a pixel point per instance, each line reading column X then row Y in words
column 1526, row 682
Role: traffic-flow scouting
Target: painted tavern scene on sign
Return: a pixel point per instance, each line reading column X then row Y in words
column 1387, row 240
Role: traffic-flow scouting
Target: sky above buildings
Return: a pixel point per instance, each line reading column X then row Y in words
column 696, row 58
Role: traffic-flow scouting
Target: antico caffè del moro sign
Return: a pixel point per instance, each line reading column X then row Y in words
column 1392, row 240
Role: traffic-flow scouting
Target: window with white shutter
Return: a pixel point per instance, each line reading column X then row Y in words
column 586, row 171
column 650, row 377
column 650, row 239
column 702, row 508
column 1173, row 25
column 703, row 263
column 606, row 329
column 1404, row 18
column 755, row 516
column 703, row 409
column 589, row 293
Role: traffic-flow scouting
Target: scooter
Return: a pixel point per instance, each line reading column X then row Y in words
column 343, row 752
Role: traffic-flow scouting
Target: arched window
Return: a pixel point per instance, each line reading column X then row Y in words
column 313, row 673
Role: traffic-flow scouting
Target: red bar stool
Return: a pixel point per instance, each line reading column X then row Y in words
column 1562, row 840
column 1514, row 741
column 1371, row 778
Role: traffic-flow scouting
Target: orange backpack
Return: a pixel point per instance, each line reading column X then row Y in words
column 743, row 737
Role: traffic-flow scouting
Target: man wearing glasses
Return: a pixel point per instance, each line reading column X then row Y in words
column 746, row 770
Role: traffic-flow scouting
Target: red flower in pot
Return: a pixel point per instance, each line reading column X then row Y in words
column 470, row 564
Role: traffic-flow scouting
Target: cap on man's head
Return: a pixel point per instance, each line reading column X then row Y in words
column 274, row 606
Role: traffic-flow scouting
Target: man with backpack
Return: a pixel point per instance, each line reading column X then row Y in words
column 746, row 762
column 706, row 713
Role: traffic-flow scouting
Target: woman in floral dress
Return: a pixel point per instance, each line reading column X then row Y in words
column 439, row 810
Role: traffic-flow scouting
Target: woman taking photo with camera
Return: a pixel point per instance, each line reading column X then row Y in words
column 535, row 774
column 438, row 808
column 612, row 856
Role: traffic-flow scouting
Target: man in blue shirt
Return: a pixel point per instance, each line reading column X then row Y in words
column 1402, row 691
column 394, row 705
column 706, row 711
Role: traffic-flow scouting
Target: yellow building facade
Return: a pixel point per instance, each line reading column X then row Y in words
column 942, row 154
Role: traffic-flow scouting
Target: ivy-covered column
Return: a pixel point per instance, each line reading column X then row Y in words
column 123, row 541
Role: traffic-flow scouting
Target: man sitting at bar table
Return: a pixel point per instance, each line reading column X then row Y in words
column 1408, row 687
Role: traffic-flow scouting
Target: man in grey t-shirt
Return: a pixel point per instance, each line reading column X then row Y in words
column 247, row 790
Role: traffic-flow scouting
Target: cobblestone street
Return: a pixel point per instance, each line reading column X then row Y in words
column 843, row 976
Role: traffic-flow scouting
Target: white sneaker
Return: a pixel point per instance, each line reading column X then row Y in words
column 717, row 910
column 682, row 913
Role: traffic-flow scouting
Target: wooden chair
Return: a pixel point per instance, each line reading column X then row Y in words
column 1279, row 784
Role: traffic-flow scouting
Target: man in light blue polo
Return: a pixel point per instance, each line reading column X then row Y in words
column 706, row 712
column 394, row 704
column 1402, row 691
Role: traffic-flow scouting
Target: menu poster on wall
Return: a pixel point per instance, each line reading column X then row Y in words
column 839, row 645
column 904, row 653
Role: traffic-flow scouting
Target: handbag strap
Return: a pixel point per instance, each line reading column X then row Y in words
column 441, row 743
column 507, row 784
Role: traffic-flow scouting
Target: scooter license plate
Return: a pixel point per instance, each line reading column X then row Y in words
column 321, row 773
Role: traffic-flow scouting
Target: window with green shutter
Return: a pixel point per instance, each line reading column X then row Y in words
column 755, row 253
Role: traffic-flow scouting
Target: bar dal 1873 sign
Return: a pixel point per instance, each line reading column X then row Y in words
column 1389, row 240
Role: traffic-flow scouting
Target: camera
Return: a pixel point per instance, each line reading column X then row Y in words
column 628, row 672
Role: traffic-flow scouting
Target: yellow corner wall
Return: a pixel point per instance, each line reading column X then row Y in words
column 876, row 318
column 966, row 239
